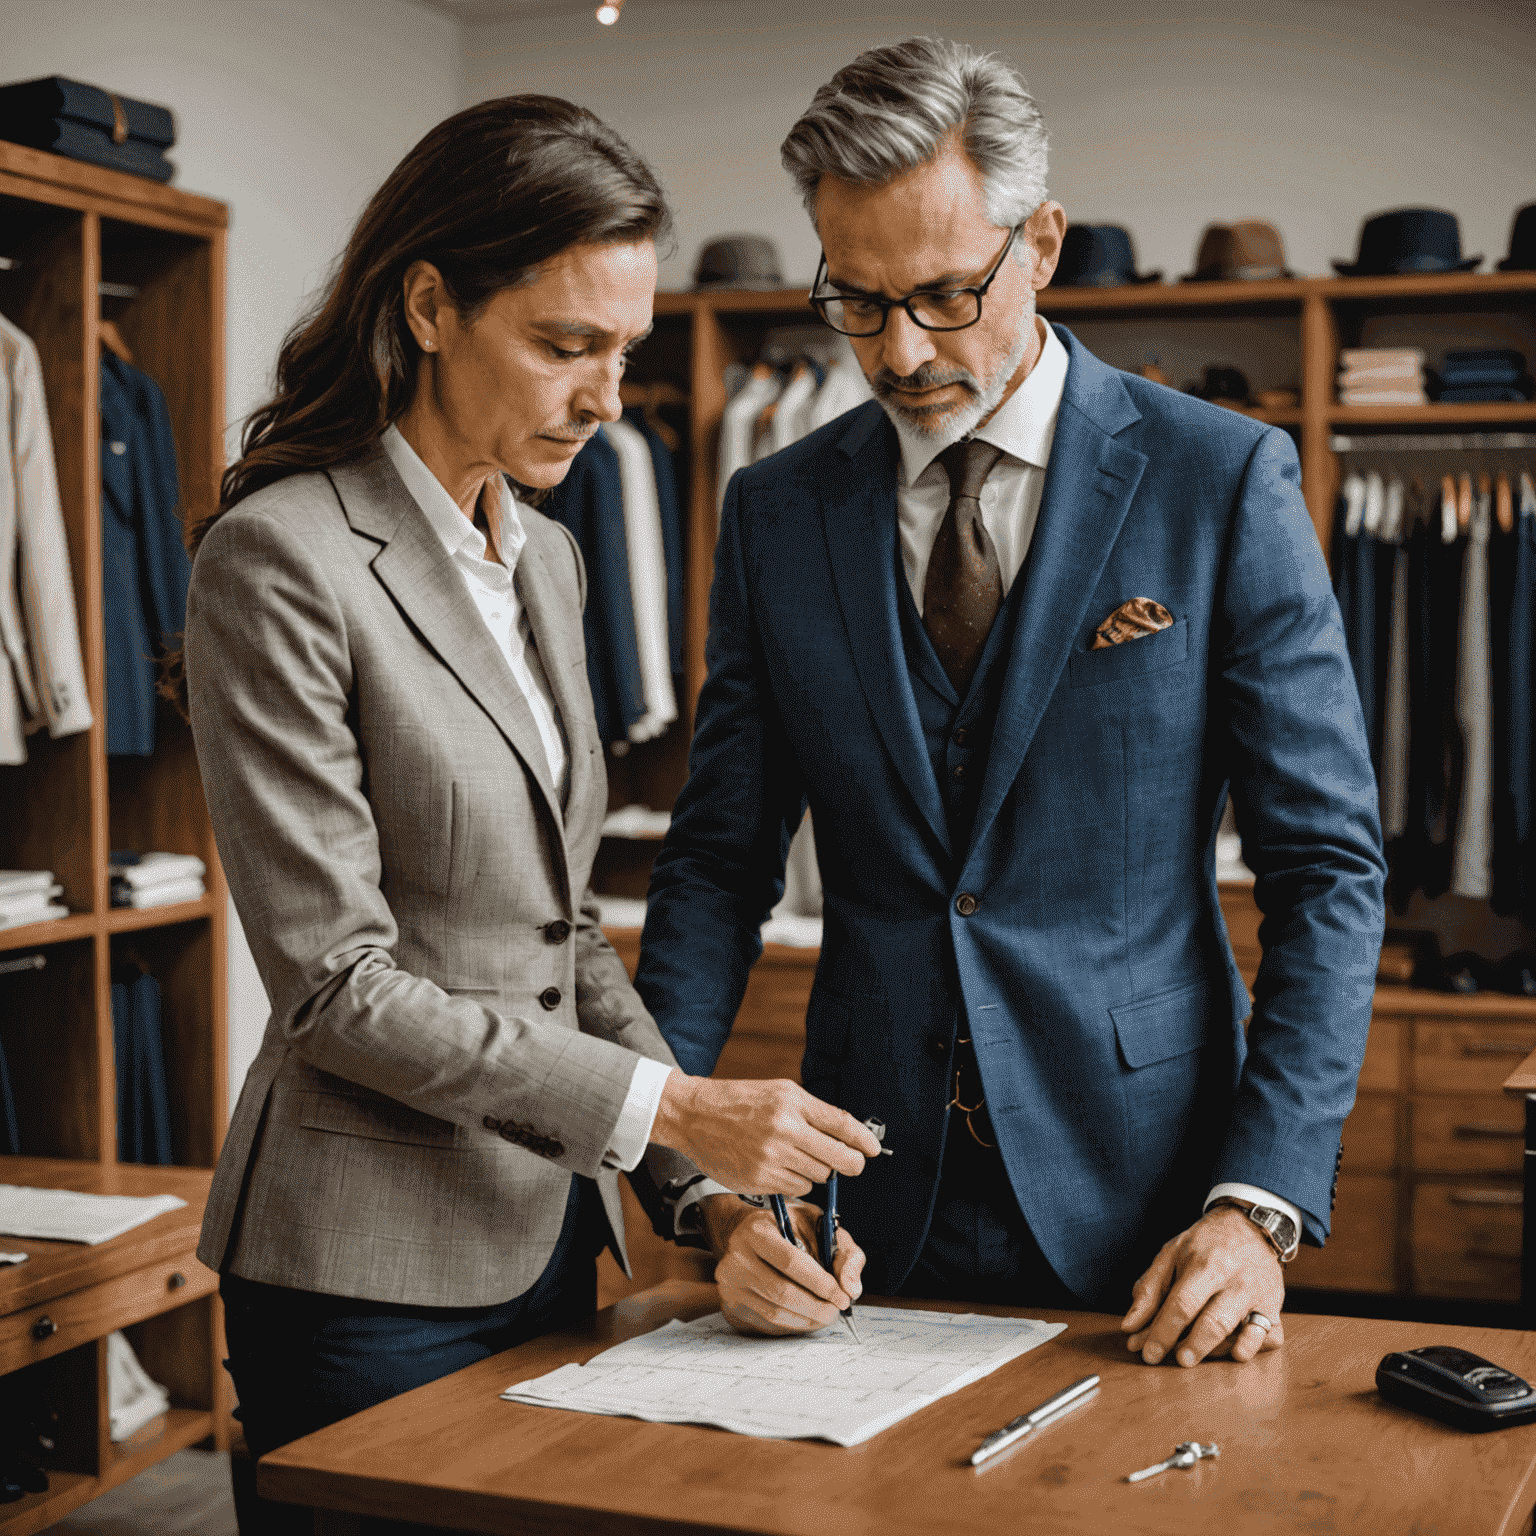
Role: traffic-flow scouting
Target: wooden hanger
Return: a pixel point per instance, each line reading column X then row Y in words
column 1464, row 502
column 112, row 339
column 1504, row 502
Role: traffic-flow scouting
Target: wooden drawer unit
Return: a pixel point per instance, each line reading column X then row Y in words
column 1370, row 1135
column 61, row 1324
column 1362, row 1251
column 1466, row 1240
column 1382, row 1069
column 1467, row 1055
column 1466, row 1133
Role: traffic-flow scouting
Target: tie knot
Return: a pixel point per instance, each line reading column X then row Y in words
column 968, row 463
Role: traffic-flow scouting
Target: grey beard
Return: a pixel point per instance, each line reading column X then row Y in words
column 938, row 433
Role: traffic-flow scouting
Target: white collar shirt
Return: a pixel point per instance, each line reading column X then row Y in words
column 1023, row 426
column 492, row 583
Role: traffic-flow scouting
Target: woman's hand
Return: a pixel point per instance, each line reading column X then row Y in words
column 759, row 1138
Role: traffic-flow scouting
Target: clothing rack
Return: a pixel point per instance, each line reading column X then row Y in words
column 1443, row 442
column 25, row 963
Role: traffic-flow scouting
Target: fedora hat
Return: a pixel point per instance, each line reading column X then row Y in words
column 738, row 261
column 1223, row 383
column 1408, row 240
column 1250, row 250
column 1098, row 256
column 1522, row 242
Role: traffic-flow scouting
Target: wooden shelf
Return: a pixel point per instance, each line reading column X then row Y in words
column 1491, row 413
column 68, row 227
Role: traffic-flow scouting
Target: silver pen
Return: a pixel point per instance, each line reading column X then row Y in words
column 1053, row 1407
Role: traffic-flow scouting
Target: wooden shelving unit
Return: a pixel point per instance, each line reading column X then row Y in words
column 67, row 228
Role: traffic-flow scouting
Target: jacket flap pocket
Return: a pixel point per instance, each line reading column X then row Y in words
column 1158, row 1028
column 1131, row 658
column 376, row 1118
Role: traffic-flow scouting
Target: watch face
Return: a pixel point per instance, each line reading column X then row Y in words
column 1279, row 1226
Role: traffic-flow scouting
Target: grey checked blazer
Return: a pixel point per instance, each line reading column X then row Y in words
column 451, row 1035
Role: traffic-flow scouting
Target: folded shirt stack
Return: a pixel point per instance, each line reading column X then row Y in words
column 1381, row 376
column 155, row 879
column 27, row 896
column 84, row 122
column 1480, row 374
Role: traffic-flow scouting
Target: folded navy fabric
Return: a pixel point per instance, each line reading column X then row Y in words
column 1481, row 394
column 1464, row 369
column 94, row 146
column 32, row 102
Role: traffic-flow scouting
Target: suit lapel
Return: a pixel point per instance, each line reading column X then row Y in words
column 421, row 577
column 1089, row 485
column 858, row 501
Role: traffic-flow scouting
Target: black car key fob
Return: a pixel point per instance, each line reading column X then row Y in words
column 1457, row 1387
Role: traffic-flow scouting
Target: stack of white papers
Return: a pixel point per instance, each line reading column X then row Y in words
column 820, row 1386
column 68, row 1216
column 133, row 1396
column 26, row 896
column 155, row 879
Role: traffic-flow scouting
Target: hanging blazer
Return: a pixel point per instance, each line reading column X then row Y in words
column 1077, row 935
column 451, row 1036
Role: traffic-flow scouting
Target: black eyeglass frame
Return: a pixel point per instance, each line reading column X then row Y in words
column 819, row 302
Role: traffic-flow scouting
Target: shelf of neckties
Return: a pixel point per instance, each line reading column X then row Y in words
column 115, row 1048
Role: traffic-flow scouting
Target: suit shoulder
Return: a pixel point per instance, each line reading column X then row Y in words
column 1173, row 408
column 804, row 459
column 304, row 504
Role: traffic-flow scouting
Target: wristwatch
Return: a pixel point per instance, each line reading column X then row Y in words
column 1275, row 1225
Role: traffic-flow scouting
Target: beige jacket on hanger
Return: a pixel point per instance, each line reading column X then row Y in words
column 451, row 1035
column 42, row 678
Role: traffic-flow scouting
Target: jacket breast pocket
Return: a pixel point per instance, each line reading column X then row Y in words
column 376, row 1119
column 1159, row 1028
column 1131, row 658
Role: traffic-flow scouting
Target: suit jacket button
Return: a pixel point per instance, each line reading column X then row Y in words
column 965, row 903
column 491, row 1123
column 550, row 997
column 557, row 932
column 938, row 1047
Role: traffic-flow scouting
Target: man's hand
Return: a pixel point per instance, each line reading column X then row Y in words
column 767, row 1286
column 1204, row 1283
column 759, row 1138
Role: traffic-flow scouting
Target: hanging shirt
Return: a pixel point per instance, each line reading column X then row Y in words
column 1023, row 426
column 1471, row 866
column 492, row 583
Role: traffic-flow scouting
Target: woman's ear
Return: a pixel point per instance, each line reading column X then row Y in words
column 426, row 296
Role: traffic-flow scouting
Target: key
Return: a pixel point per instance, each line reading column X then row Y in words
column 1185, row 1454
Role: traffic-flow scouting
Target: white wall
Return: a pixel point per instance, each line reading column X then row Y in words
column 290, row 111
column 1164, row 117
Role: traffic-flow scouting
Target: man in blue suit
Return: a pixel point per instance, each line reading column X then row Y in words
column 1015, row 632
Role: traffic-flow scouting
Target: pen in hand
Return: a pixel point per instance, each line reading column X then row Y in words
column 828, row 1238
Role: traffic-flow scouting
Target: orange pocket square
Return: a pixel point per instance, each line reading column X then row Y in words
column 1132, row 620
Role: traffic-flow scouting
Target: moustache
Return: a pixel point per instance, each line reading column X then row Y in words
column 886, row 383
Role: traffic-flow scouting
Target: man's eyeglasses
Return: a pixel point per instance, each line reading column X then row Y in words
column 865, row 314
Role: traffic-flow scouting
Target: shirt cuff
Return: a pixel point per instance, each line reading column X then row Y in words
column 1254, row 1196
column 687, row 1217
column 632, row 1130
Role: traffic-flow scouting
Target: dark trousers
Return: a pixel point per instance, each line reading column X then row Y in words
column 301, row 1360
column 979, row 1247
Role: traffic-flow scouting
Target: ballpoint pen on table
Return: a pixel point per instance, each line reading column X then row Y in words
column 787, row 1232
column 1065, row 1401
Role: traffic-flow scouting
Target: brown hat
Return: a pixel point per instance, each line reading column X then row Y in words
column 1249, row 251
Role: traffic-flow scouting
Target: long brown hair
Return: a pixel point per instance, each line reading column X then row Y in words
column 486, row 196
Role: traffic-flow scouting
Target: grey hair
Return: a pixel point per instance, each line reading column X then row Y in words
column 893, row 109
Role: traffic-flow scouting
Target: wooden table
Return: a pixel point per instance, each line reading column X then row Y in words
column 1306, row 1443
column 57, row 1309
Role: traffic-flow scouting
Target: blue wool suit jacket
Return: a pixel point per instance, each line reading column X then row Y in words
column 1093, row 974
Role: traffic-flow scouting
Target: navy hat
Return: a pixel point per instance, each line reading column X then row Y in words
column 1408, row 240
column 1522, row 242
column 1223, row 382
column 739, row 261
column 1097, row 256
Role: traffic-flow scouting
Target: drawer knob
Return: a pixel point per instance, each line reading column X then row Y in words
column 176, row 1281
column 44, row 1328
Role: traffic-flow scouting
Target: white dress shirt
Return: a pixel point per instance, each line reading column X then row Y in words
column 1024, row 427
column 493, row 585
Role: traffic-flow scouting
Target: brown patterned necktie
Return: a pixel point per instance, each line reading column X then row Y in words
column 964, row 587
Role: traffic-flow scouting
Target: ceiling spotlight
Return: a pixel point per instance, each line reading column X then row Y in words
column 608, row 13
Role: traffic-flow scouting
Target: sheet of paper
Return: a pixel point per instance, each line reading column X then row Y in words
column 819, row 1386
column 67, row 1216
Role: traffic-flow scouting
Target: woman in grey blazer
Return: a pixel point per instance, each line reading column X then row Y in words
column 387, row 686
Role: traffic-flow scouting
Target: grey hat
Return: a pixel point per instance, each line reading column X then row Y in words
column 738, row 261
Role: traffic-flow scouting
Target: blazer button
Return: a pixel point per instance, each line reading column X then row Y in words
column 938, row 1047
column 959, row 770
column 550, row 997
column 962, row 737
column 965, row 904
column 557, row 932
